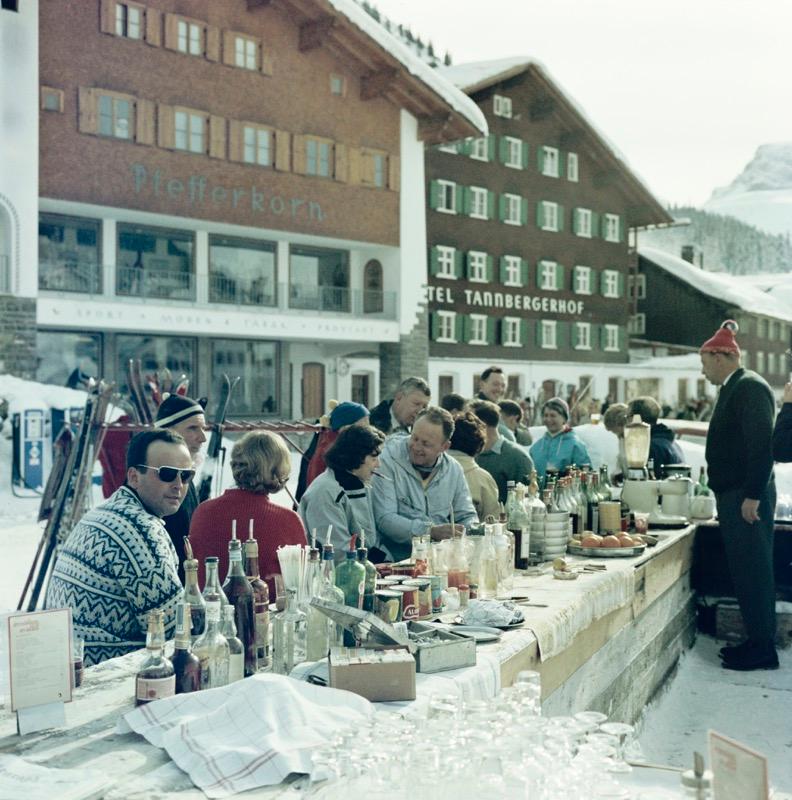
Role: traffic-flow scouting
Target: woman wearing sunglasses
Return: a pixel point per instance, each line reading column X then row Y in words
column 260, row 464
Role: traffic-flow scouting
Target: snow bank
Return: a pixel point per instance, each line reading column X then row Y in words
column 21, row 394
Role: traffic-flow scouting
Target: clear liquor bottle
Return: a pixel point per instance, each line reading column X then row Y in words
column 260, row 600
column 236, row 650
column 317, row 623
column 156, row 677
column 192, row 593
column 288, row 636
column 240, row 596
column 185, row 663
column 211, row 648
column 331, row 593
column 212, row 586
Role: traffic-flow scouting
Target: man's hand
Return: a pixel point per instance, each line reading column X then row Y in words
column 446, row 531
column 750, row 510
column 788, row 393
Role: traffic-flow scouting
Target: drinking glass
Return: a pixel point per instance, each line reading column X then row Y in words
column 528, row 687
column 443, row 706
column 78, row 650
column 620, row 730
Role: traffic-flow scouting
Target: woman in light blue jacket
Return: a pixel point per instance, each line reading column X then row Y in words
column 560, row 447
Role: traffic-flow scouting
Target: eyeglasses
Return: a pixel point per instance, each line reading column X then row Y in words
column 168, row 474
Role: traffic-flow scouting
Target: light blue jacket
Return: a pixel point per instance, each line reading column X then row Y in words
column 403, row 508
column 559, row 452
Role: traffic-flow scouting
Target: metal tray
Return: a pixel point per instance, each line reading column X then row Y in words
column 606, row 552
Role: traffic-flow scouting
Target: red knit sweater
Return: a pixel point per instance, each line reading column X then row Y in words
column 273, row 526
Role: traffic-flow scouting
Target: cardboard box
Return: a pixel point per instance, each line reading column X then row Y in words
column 378, row 675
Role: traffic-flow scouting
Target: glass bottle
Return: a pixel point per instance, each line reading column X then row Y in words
column 350, row 578
column 582, row 500
column 156, row 677
column 240, row 595
column 370, row 585
column 212, row 586
column 702, row 487
column 488, row 565
column 312, row 571
column 606, row 490
column 192, row 593
column 236, row 650
column 211, row 647
column 592, row 498
column 520, row 527
column 331, row 593
column 288, row 636
column 186, row 665
column 504, row 560
column 420, row 554
column 317, row 623
column 260, row 600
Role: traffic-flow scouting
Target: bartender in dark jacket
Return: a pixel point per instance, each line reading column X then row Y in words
column 185, row 416
column 782, row 433
column 740, row 464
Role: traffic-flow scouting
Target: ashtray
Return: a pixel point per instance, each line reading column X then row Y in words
column 565, row 575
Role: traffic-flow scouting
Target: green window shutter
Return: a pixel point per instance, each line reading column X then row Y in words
column 524, row 332
column 620, row 228
column 574, row 334
column 602, row 227
column 502, row 269
column 538, row 329
column 560, row 216
column 595, row 224
column 467, row 265
column 459, row 199
column 620, row 284
column 501, row 331
column 501, row 207
column 593, row 335
column 459, row 327
column 467, row 329
column 575, row 273
column 539, row 214
column 540, row 158
column 523, row 211
column 466, row 146
column 562, row 334
column 603, row 336
column 503, row 150
column 561, row 164
column 622, row 332
column 435, row 322
column 538, row 274
column 490, row 204
column 434, row 194
column 467, row 199
column 525, row 155
column 459, row 263
column 559, row 274
column 491, row 330
column 434, row 261
column 492, row 141
column 524, row 272
column 575, row 220
column 490, row 269
column 602, row 282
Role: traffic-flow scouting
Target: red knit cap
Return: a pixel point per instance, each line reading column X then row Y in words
column 723, row 341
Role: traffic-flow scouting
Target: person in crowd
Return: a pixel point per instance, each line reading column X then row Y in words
column 512, row 417
column 185, row 416
column 614, row 419
column 467, row 442
column 118, row 563
column 492, row 387
column 341, row 417
column 527, row 406
column 420, row 486
column 337, row 504
column 397, row 416
column 740, row 469
column 504, row 460
column 260, row 465
column 560, row 447
column 782, row 432
column 453, row 403
column 663, row 448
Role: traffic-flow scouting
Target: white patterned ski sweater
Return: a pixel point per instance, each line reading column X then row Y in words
column 116, row 565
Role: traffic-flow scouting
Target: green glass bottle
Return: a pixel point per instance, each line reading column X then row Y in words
column 370, row 585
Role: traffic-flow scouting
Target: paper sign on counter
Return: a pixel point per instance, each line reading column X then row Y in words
column 739, row 773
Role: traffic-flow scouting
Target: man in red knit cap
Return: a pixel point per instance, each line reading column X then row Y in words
column 740, row 465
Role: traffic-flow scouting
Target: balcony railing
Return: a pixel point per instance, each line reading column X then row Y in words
column 242, row 292
column 5, row 275
column 156, row 283
column 338, row 300
column 69, row 276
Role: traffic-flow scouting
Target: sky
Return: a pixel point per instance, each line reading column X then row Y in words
column 685, row 89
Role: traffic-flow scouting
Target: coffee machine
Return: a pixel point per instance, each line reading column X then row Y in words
column 639, row 492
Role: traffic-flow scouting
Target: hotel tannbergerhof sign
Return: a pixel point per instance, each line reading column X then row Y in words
column 510, row 301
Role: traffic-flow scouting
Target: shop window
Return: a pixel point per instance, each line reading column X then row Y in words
column 69, row 254
column 258, row 393
column 373, row 288
column 155, row 262
column 176, row 353
column 241, row 271
column 65, row 356
column 319, row 279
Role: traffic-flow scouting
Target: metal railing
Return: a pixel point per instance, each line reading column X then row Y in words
column 70, row 276
column 240, row 291
column 339, row 300
column 157, row 283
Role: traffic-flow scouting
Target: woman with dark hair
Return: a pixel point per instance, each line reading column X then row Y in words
column 467, row 442
column 339, row 496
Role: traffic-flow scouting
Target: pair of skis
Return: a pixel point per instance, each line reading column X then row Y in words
column 67, row 493
column 215, row 453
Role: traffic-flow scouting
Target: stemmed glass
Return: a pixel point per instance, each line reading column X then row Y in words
column 621, row 730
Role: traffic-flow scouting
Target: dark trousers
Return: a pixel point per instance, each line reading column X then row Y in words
column 749, row 554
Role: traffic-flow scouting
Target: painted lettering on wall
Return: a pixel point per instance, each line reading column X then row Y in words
column 197, row 191
column 507, row 300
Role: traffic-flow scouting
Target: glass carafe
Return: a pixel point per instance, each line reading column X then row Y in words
column 288, row 636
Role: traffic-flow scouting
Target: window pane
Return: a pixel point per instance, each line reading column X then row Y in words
column 239, row 51
column 120, row 20
column 196, row 133
column 258, row 393
column 263, row 149
column 69, row 255
column 182, row 34
column 324, row 159
column 195, row 40
column 250, row 54
column 105, row 115
column 154, row 262
column 156, row 352
column 122, row 114
column 180, row 140
column 61, row 354
column 133, row 27
column 319, row 279
column 249, row 137
column 310, row 157
column 241, row 271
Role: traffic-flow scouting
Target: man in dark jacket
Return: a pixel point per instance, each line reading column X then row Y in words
column 740, row 465
column 663, row 449
column 398, row 415
column 782, row 433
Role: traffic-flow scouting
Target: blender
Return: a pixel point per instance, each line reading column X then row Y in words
column 639, row 492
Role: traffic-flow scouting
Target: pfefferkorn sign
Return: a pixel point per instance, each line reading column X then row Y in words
column 198, row 192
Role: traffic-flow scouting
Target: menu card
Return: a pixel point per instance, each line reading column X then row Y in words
column 40, row 658
column 739, row 773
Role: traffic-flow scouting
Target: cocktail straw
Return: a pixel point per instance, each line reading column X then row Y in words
column 233, row 529
column 451, row 509
column 250, row 529
column 313, row 538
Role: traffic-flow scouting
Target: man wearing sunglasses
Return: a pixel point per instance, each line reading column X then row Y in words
column 118, row 563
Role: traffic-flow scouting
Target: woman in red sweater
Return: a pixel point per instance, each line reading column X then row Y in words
column 260, row 465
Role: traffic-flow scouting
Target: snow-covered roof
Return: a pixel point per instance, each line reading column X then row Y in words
column 443, row 87
column 479, row 74
column 720, row 285
column 685, row 361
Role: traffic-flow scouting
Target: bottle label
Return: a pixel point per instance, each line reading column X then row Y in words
column 148, row 689
column 262, row 630
column 236, row 667
column 525, row 542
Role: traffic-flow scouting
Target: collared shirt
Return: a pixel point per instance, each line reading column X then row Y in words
column 497, row 446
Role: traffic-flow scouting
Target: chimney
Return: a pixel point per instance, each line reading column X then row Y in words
column 688, row 253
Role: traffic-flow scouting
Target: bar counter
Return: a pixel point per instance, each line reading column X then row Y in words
column 605, row 641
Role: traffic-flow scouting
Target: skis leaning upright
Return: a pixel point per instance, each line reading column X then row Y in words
column 212, row 469
column 69, row 499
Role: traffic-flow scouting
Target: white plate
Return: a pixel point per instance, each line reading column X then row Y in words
column 481, row 633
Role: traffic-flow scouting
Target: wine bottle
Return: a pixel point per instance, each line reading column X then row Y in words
column 240, row 596
column 156, row 677
column 519, row 523
column 260, row 600
column 236, row 650
column 212, row 586
column 211, row 648
column 186, row 665
column 192, row 593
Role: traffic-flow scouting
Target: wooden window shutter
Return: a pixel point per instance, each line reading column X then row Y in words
column 502, row 273
column 341, row 163
column 266, row 60
column 575, row 220
column 538, row 329
column 459, row 327
column 490, row 204
column 561, row 163
column 283, row 140
column 165, row 125
column 217, row 137
column 171, row 31
column 434, row 194
column 144, row 122
column 593, row 335
column 491, row 143
column 153, row 27
column 468, row 262
column 503, row 150
column 562, row 334
column 523, row 211
column 229, row 48
column 602, row 281
column 620, row 284
column 621, row 337
column 459, row 263
column 491, row 330
column 459, row 199
column 559, row 275
column 540, row 158
column 574, row 334
column 620, row 228
column 524, row 278
column 467, row 199
column 355, row 165
column 212, row 43
column 502, row 208
column 299, row 153
column 394, row 173
column 107, row 12
column 235, row 134
column 524, row 335
column 86, row 104
column 490, row 267
column 434, row 324
column 538, row 274
column 467, row 329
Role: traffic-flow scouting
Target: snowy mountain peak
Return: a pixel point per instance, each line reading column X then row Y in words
column 770, row 169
